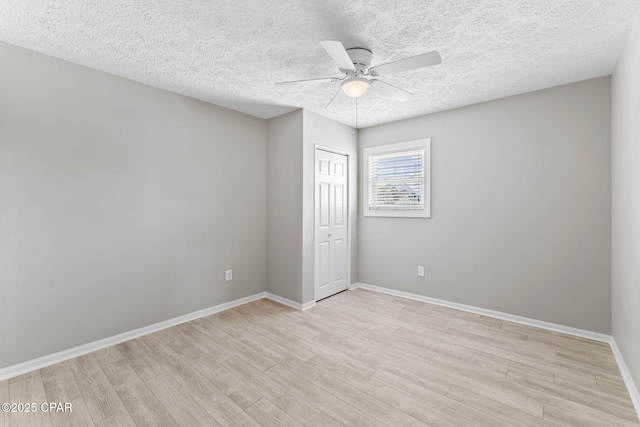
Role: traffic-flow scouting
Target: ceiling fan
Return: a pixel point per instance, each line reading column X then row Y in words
column 359, row 75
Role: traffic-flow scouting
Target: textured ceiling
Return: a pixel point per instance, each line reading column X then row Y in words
column 231, row 53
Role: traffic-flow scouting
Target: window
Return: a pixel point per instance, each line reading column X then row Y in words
column 397, row 180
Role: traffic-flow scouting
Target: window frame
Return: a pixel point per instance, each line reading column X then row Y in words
column 399, row 147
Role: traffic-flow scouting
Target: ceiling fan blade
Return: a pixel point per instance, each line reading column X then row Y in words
column 338, row 53
column 326, row 79
column 337, row 99
column 390, row 91
column 419, row 61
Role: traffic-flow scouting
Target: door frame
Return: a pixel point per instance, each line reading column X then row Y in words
column 320, row 147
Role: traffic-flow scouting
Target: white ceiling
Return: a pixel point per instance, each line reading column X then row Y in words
column 231, row 53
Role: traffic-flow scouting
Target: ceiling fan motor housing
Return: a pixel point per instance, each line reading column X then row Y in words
column 361, row 58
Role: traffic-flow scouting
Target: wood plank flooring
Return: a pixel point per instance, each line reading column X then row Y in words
column 358, row 358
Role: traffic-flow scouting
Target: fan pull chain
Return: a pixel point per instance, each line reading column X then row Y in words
column 357, row 113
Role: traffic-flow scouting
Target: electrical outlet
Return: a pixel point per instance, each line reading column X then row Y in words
column 229, row 275
column 421, row 271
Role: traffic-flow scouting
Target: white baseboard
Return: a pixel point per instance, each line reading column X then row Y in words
column 634, row 392
column 52, row 359
column 61, row 356
column 288, row 302
column 492, row 313
column 308, row 305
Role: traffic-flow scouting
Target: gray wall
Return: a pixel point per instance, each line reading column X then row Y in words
column 319, row 130
column 291, row 141
column 626, row 202
column 521, row 208
column 121, row 205
column 284, row 206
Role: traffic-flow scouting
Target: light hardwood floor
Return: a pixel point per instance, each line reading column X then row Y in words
column 357, row 358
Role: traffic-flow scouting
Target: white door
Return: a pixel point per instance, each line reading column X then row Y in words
column 331, row 219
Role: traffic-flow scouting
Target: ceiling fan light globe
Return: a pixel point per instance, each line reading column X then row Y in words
column 354, row 87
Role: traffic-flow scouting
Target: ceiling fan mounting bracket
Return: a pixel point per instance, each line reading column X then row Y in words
column 361, row 58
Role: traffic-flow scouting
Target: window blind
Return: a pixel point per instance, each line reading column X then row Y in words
column 396, row 180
